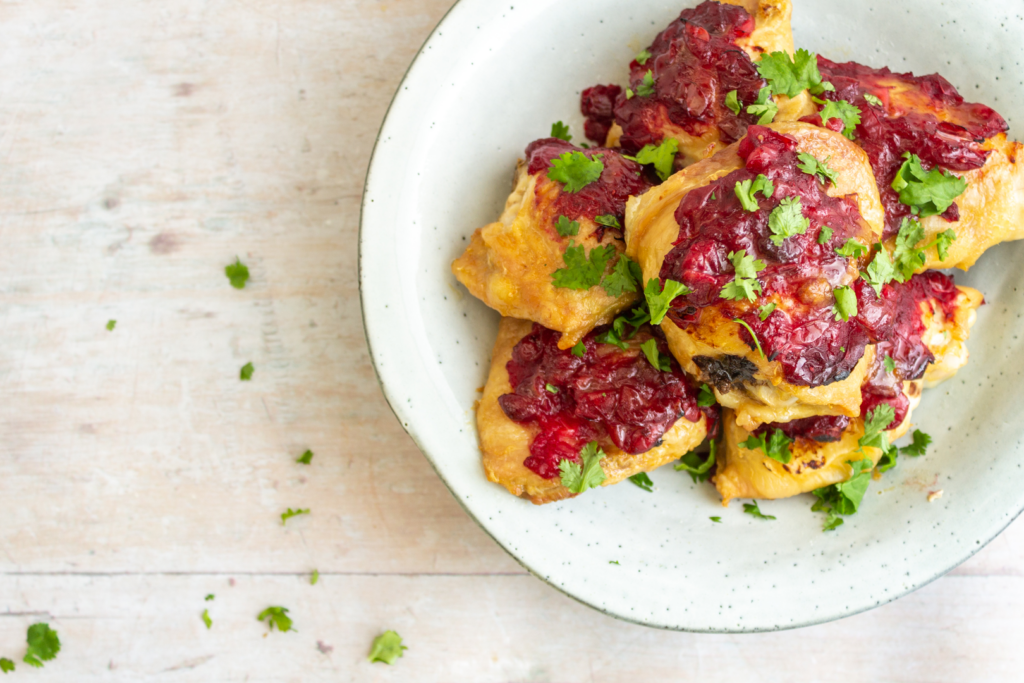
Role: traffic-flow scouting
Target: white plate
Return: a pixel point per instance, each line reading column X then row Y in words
column 493, row 77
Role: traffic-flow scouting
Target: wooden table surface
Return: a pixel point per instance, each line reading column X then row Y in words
column 143, row 146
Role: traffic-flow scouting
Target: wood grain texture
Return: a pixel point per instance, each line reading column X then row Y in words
column 142, row 147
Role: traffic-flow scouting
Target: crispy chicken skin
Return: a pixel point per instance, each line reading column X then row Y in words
column 505, row 445
column 509, row 264
column 745, row 473
column 652, row 229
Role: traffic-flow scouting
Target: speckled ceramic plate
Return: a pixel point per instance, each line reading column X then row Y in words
column 493, row 77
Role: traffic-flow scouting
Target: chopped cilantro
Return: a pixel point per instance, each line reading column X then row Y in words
column 207, row 620
column 846, row 303
column 889, row 363
column 276, row 616
column 920, row 445
column 766, row 311
column 643, row 481
column 575, row 170
column 876, row 436
column 637, row 318
column 825, row 234
column 872, row 99
column 765, row 107
column 245, row 374
column 613, row 562
column 662, row 156
column 611, row 336
column 706, row 397
column 810, row 165
column 754, row 511
column 880, row 271
column 305, row 458
column 314, row 577
column 791, row 75
column 745, row 190
column 732, row 101
column 582, row 271
column 852, row 248
column 289, row 513
column 646, row 87
column 6, row 665
column 716, row 519
column 776, row 446
column 566, row 227
column 209, row 597
column 659, row 300
column 943, row 241
column 757, row 344
column 629, row 94
column 927, row 193
column 642, row 58
column 655, row 357
column 551, row 388
column 43, row 645
column 561, row 131
column 700, row 470
column 906, row 257
column 623, row 278
column 848, row 113
column 237, row 274
column 845, row 497
column 387, row 648
column 110, row 325
column 744, row 284
column 787, row 219
column 579, row 350
column 578, row 479
column 608, row 220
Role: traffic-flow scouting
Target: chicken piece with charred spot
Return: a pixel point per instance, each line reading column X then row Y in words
column 923, row 325
column 696, row 81
column 542, row 406
column 566, row 209
column 767, row 237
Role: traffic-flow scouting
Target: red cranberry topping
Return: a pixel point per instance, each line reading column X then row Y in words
column 909, row 121
column 821, row 428
column 598, row 106
column 695, row 63
column 608, row 394
column 802, row 334
column 881, row 386
column 607, row 195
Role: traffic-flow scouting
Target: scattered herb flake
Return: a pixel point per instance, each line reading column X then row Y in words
column 43, row 645
column 642, row 58
column 766, row 311
column 289, row 513
column 624, row 277
column 579, row 350
column 846, row 303
column 706, row 397
column 306, row 458
column 765, row 107
column 660, row 299
column 578, row 479
column 787, row 220
column 552, row 389
column 276, row 616
column 207, row 620
column 754, row 511
column 6, row 665
column 566, row 227
column 825, row 234
column 750, row 330
column 920, row 445
column 646, row 87
column 575, row 170
column 700, row 470
column 889, row 363
column 745, row 190
column 661, row 156
column 791, row 75
column 314, row 577
column 716, row 519
column 872, row 99
column 655, row 357
column 643, row 481
column 111, row 324
column 744, row 284
column 732, row 102
column 880, row 271
column 610, row 220
column 848, row 113
column 238, row 273
column 775, row 446
column 582, row 272
column 810, row 165
column 209, row 597
column 561, row 131
column 852, row 248
column 245, row 374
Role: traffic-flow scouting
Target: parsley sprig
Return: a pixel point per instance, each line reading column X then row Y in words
column 576, row 170
column 578, row 479
column 43, row 645
column 787, row 220
column 582, row 271
column 387, row 648
column 792, row 75
column 561, row 131
column 659, row 360
column 754, row 511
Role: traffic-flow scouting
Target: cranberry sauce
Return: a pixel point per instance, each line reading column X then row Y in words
column 620, row 179
column 606, row 394
column 923, row 115
column 801, row 333
column 820, row 428
column 598, row 106
column 694, row 63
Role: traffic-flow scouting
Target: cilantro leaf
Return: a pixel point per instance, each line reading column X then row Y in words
column 943, row 241
column 846, row 303
column 209, row 597
column 608, row 220
column 575, row 170
column 889, row 363
column 582, row 271
column 642, row 58
column 579, row 350
column 613, row 561
column 700, row 470
column 848, row 113
column 110, row 325
column 706, row 397
column 791, row 75
column 872, row 99
column 643, row 481
column 662, row 156
column 6, row 665
column 754, row 511
column 551, row 388
column 753, row 335
column 566, row 227
column 765, row 107
column 775, row 446
column 716, row 519
column 314, row 577
column 245, row 374
column 655, row 357
column 561, row 131
column 306, row 457
column 732, row 102
column 745, row 190
column 843, row 498
column 578, row 479
column 237, row 274
column 387, row 648
column 43, row 645
column 629, row 94
column 764, row 311
column 276, row 616
column 825, row 234
column 880, row 271
column 907, row 258
column 810, row 165
column 744, row 284
column 289, row 513
column 623, row 278
column 660, row 300
column 852, row 248
column 786, row 220
column 878, row 420
column 646, row 87
column 920, row 445
column 207, row 620
column 927, row 193
column 611, row 336
column 637, row 318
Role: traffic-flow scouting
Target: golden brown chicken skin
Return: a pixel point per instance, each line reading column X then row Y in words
column 694, row 230
column 552, row 395
column 511, row 265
